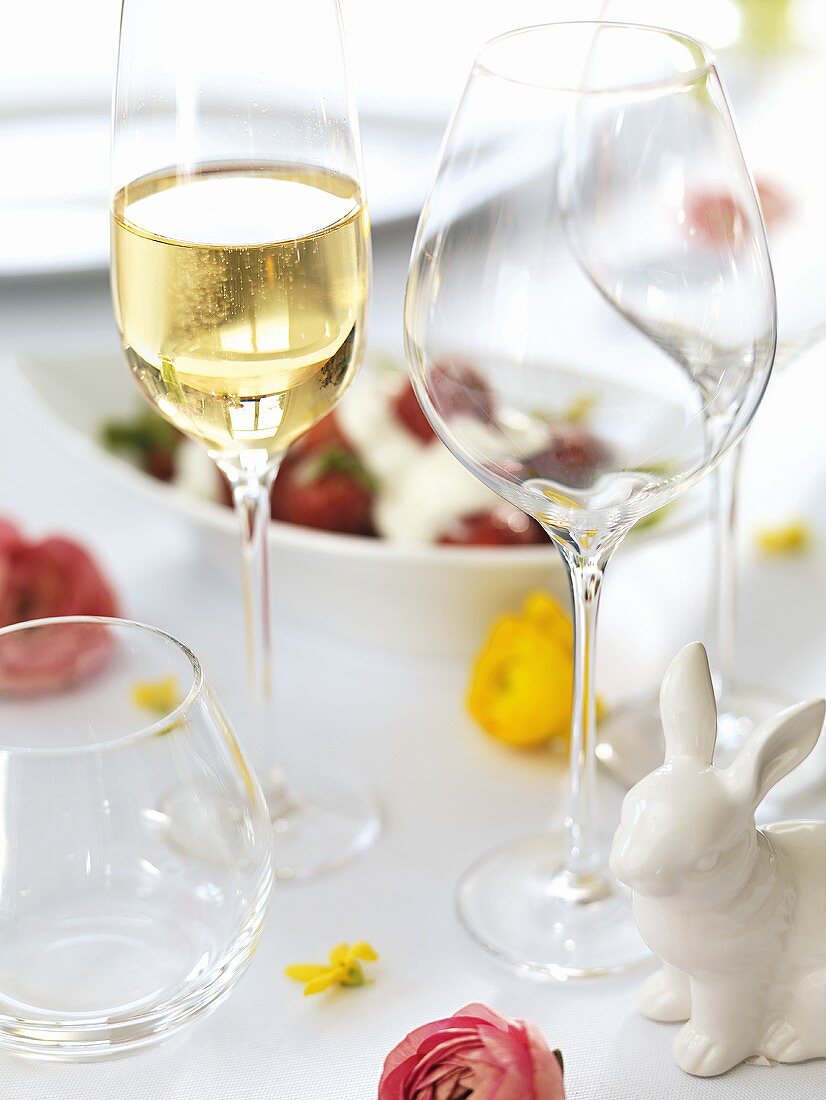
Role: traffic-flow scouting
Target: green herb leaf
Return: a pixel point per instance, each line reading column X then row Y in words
column 338, row 460
column 146, row 433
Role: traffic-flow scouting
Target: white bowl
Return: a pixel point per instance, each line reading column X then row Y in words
column 418, row 599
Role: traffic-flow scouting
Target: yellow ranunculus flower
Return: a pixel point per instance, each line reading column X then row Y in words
column 520, row 689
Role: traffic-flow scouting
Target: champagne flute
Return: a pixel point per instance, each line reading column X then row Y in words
column 240, row 270
column 773, row 59
column 553, row 258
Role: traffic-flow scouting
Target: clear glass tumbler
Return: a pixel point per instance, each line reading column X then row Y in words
column 119, row 923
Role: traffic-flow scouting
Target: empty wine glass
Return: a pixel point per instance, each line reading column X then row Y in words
column 240, row 270
column 554, row 268
column 773, row 60
column 120, row 924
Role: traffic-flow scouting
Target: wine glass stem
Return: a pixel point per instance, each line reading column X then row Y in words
column 251, row 498
column 583, row 861
column 724, row 588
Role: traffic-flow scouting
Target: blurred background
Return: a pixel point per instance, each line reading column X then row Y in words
column 408, row 64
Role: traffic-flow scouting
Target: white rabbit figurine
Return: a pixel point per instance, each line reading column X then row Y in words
column 737, row 914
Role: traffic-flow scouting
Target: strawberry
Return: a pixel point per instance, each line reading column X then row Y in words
column 574, row 457
column 159, row 464
column 407, row 410
column 505, row 526
column 455, row 388
column 458, row 389
column 329, row 490
column 325, row 433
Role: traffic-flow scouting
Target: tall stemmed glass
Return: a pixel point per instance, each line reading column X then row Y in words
column 240, row 267
column 553, row 256
column 773, row 59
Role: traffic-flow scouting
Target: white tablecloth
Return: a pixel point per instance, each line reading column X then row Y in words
column 448, row 793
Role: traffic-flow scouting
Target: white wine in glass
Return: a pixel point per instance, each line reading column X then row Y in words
column 240, row 277
column 245, row 332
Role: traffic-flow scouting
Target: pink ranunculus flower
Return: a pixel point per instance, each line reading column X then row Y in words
column 474, row 1055
column 43, row 580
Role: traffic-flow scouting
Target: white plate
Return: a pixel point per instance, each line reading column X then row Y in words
column 54, row 218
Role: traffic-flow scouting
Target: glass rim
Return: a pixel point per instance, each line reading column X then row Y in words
column 150, row 729
column 677, row 81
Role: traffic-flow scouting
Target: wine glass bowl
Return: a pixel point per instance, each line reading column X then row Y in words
column 115, row 933
column 526, row 277
column 246, row 333
column 589, row 345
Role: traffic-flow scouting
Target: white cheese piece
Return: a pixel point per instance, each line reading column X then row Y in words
column 195, row 471
column 422, row 489
column 429, row 497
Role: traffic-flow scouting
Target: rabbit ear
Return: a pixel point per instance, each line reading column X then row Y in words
column 775, row 748
column 688, row 707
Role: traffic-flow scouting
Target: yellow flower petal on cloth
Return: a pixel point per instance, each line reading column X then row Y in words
column 305, row 972
column 364, row 951
column 340, row 954
column 324, row 981
column 788, row 538
column 343, row 968
column 520, row 690
column 160, row 696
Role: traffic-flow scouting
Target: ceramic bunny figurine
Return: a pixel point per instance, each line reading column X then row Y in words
column 737, row 914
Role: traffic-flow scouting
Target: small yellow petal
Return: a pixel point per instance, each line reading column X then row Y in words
column 580, row 409
column 305, row 972
column 788, row 538
column 324, row 981
column 363, row 950
column 343, row 969
column 340, row 954
column 159, row 696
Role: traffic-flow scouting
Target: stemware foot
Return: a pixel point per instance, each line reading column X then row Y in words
column 631, row 738
column 741, row 708
column 510, row 903
column 631, row 741
column 319, row 819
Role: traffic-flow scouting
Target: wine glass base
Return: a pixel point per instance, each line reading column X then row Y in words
column 319, row 820
column 508, row 904
column 631, row 739
column 742, row 708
